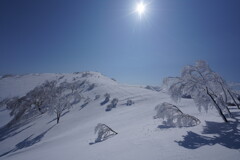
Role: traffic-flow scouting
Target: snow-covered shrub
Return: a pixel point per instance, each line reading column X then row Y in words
column 104, row 132
column 174, row 117
column 107, row 95
column 107, row 98
column 113, row 104
column 129, row 102
column 109, row 107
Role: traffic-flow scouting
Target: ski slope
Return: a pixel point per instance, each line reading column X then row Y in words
column 139, row 137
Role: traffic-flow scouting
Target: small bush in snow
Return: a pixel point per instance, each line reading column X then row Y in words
column 113, row 104
column 107, row 95
column 107, row 98
column 129, row 102
column 104, row 132
column 109, row 107
column 174, row 117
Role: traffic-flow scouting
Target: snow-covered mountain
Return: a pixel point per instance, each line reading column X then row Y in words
column 140, row 136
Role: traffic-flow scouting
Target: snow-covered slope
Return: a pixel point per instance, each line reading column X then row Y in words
column 139, row 135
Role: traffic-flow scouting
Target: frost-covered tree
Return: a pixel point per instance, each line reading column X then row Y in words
column 174, row 117
column 203, row 85
column 72, row 86
column 227, row 93
column 60, row 101
column 40, row 95
column 17, row 106
column 104, row 132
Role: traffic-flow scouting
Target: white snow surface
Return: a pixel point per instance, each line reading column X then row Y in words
column 139, row 137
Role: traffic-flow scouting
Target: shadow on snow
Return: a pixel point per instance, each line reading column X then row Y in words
column 101, row 140
column 29, row 141
column 225, row 134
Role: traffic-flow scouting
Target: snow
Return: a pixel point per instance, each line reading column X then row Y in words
column 5, row 117
column 140, row 136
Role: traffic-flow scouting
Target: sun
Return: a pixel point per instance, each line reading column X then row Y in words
column 140, row 8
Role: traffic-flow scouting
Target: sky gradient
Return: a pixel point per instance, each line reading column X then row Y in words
column 61, row 36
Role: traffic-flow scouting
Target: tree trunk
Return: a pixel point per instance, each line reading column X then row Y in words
column 111, row 129
column 228, row 111
column 233, row 99
column 39, row 109
column 58, row 117
column 217, row 107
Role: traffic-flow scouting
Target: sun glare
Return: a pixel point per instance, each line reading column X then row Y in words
column 140, row 8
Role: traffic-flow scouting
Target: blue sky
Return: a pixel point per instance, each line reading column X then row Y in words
column 56, row 36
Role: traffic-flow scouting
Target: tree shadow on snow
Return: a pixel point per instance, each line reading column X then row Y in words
column 7, row 132
column 104, row 102
column 10, row 130
column 225, row 134
column 29, row 141
column 98, row 140
column 83, row 105
column 165, row 127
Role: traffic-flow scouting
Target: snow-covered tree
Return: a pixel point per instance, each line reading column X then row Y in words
column 40, row 95
column 18, row 107
column 104, row 132
column 72, row 86
column 60, row 101
column 113, row 104
column 203, row 85
column 174, row 117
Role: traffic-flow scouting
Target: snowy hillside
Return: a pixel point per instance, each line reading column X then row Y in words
column 140, row 136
